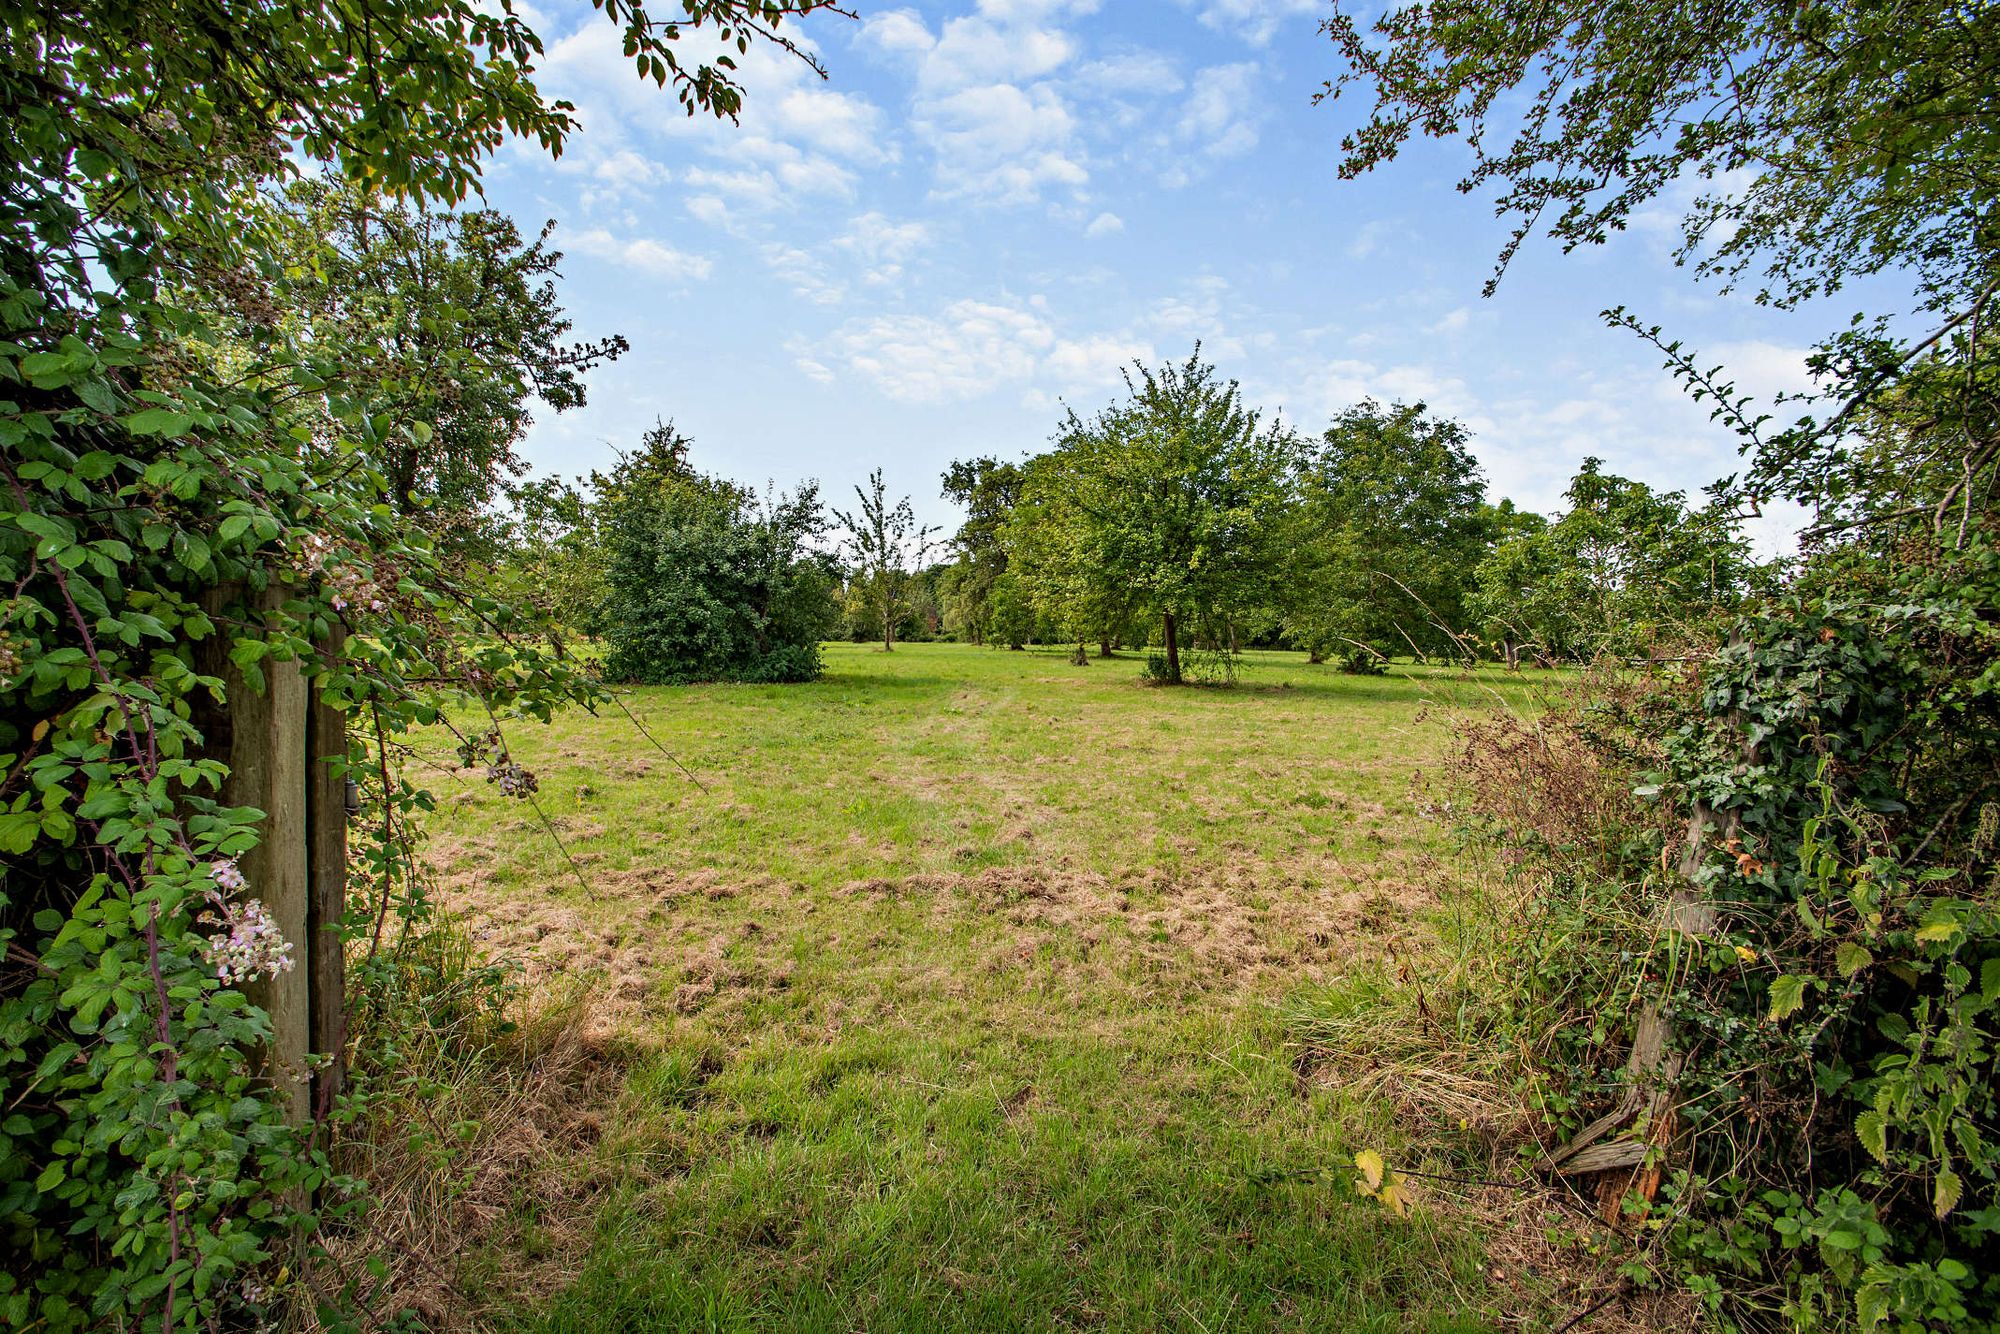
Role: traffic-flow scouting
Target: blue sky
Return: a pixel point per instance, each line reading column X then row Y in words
column 992, row 205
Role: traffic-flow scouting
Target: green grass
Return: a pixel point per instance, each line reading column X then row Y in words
column 950, row 997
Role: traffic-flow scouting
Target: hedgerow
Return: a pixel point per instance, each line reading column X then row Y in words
column 181, row 487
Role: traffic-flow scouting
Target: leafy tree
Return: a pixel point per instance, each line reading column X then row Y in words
column 1619, row 570
column 888, row 549
column 448, row 318
column 702, row 581
column 988, row 490
column 1059, row 591
column 180, row 485
column 1391, row 522
column 1176, row 495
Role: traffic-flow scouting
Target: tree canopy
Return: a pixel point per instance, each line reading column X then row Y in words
column 1174, row 495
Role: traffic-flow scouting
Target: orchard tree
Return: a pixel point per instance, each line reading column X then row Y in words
column 445, row 317
column 1624, row 566
column 1176, row 495
column 1055, row 573
column 1391, row 523
column 887, row 549
column 988, row 490
column 704, row 580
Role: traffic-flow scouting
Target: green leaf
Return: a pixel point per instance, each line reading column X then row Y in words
column 1873, row 1131
column 1788, row 993
column 1851, row 957
column 1871, row 1305
column 50, row 1178
column 159, row 421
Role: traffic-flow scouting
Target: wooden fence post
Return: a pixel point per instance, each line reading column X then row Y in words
column 267, row 770
column 326, row 835
column 278, row 742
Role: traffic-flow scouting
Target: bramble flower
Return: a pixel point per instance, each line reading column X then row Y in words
column 249, row 946
column 348, row 583
column 247, row 943
column 514, row 780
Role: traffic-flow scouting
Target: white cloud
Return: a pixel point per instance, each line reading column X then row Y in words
column 1367, row 238
column 1001, row 142
column 709, row 209
column 1255, row 21
column 1146, row 73
column 841, row 124
column 1095, row 361
column 796, row 138
column 1453, row 321
column 644, row 254
column 876, row 239
column 966, row 350
column 984, row 101
column 1104, row 224
column 1217, row 114
column 898, row 31
column 804, row 274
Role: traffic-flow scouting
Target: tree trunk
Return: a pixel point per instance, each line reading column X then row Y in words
column 1513, row 655
column 888, row 632
column 1173, row 651
column 1103, row 648
column 1232, row 638
column 1315, row 656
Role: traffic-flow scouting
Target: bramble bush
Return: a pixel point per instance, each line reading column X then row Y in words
column 176, row 476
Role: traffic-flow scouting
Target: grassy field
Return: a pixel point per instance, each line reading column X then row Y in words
column 948, row 997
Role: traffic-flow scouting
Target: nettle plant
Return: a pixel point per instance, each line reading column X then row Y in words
column 180, row 487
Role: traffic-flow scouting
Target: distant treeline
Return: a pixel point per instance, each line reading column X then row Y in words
column 1177, row 518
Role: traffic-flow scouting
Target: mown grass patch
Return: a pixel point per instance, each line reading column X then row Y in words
column 957, row 983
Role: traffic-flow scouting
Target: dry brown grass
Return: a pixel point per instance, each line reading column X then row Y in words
column 456, row 1157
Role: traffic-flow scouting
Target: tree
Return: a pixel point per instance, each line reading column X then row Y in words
column 888, row 548
column 1175, row 494
column 703, row 580
column 1841, row 141
column 449, row 318
column 989, row 490
column 1392, row 520
column 1619, row 570
column 1054, row 576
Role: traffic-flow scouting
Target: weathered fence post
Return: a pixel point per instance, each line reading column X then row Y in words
column 277, row 742
column 326, row 836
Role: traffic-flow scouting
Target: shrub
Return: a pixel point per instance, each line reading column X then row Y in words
column 704, row 583
column 1825, row 791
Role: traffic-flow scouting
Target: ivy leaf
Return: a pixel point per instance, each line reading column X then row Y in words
column 1851, row 957
column 1788, row 993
